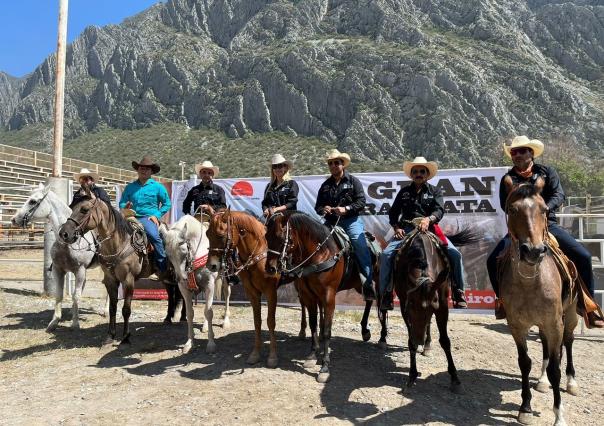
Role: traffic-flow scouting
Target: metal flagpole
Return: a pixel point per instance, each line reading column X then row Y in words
column 58, row 184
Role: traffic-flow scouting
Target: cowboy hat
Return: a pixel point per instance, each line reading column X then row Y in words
column 280, row 159
column 420, row 161
column 524, row 142
column 85, row 172
column 147, row 161
column 206, row 165
column 334, row 154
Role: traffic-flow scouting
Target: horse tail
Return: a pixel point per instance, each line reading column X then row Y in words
column 465, row 236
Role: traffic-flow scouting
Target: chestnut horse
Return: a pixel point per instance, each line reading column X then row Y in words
column 533, row 292
column 229, row 231
column 299, row 239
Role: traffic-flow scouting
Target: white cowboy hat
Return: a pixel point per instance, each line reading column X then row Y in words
column 206, row 165
column 524, row 142
column 432, row 166
column 85, row 172
column 334, row 154
column 280, row 159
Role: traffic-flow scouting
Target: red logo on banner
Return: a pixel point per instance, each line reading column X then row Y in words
column 242, row 188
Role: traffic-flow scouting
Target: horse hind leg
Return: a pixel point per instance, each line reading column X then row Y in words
column 330, row 302
column 442, row 317
column 543, row 383
column 127, row 310
column 208, row 311
column 383, row 317
column 59, row 277
column 427, row 350
column 554, row 337
column 80, row 281
column 303, row 323
column 570, row 322
column 365, row 331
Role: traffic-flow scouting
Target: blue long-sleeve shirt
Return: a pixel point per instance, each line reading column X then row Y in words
column 150, row 199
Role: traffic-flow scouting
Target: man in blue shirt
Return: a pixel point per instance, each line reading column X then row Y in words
column 150, row 201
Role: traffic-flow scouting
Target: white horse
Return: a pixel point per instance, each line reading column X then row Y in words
column 42, row 205
column 186, row 241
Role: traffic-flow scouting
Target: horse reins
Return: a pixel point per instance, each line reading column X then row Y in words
column 30, row 213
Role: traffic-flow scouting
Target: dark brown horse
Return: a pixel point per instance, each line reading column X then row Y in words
column 230, row 230
column 421, row 280
column 533, row 293
column 302, row 246
column 119, row 260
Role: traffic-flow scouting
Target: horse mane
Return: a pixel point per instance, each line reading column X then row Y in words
column 194, row 227
column 122, row 226
column 248, row 222
column 307, row 226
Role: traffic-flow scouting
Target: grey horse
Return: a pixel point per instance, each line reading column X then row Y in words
column 42, row 205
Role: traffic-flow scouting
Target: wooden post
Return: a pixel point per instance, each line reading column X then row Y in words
column 57, row 166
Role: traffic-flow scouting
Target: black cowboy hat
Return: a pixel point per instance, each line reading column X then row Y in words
column 147, row 161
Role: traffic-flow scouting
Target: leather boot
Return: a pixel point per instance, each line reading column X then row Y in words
column 594, row 321
column 459, row 299
column 499, row 309
column 368, row 292
column 386, row 303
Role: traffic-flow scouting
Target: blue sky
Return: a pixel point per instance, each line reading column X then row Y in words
column 28, row 28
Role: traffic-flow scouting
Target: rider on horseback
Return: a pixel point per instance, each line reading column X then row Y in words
column 523, row 151
column 87, row 180
column 150, row 201
column 281, row 193
column 341, row 198
column 207, row 193
column 425, row 201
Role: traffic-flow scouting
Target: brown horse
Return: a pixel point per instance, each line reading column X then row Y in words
column 119, row 260
column 421, row 281
column 532, row 290
column 295, row 238
column 230, row 230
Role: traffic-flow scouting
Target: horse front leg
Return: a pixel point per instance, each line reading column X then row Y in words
column 208, row 311
column 59, row 277
column 254, row 296
column 126, row 308
column 171, row 291
column 80, row 282
column 329, row 305
column 570, row 322
column 413, row 373
column 428, row 340
column 543, row 383
column 365, row 331
column 226, row 321
column 311, row 358
column 303, row 323
column 188, row 304
column 383, row 317
column 271, row 300
column 442, row 317
column 525, row 414
column 554, row 334
column 111, row 287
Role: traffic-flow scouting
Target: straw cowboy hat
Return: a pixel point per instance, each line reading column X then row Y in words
column 280, row 159
column 206, row 165
column 420, row 161
column 147, row 161
column 524, row 142
column 334, row 154
column 85, row 172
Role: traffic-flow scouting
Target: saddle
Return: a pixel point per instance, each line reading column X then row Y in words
column 140, row 243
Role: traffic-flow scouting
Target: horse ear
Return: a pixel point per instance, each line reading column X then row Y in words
column 508, row 184
column 226, row 214
column 539, row 184
column 41, row 186
column 183, row 232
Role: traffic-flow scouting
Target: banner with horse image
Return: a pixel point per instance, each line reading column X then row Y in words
column 471, row 200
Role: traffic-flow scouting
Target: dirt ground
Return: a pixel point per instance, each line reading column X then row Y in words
column 67, row 377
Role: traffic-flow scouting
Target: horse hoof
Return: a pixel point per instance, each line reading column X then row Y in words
column 211, row 348
column 226, row 324
column 525, row 418
column 382, row 344
column 542, row 387
column 572, row 389
column 323, row 377
column 302, row 335
column 310, row 362
column 52, row 325
column 167, row 321
column 272, row 362
column 108, row 341
column 75, row 326
column 253, row 358
column 366, row 336
column 125, row 340
column 187, row 347
column 427, row 352
column 457, row 388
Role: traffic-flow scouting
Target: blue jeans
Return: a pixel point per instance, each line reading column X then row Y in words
column 387, row 259
column 356, row 231
column 152, row 232
column 575, row 251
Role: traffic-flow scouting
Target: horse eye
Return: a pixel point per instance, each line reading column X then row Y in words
column 31, row 202
column 512, row 210
column 84, row 210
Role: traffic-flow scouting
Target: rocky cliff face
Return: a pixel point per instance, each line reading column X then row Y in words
column 381, row 78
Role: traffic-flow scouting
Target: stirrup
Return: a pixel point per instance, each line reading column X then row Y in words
column 459, row 299
column 594, row 321
column 499, row 309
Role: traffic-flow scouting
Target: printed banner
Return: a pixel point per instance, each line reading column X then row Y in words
column 471, row 200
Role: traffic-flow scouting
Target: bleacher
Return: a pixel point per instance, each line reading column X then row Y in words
column 21, row 170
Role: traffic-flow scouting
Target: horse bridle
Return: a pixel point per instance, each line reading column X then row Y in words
column 84, row 221
column 30, row 213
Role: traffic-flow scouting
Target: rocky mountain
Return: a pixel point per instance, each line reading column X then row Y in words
column 447, row 79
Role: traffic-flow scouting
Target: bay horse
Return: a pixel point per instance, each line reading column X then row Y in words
column 120, row 261
column 421, row 280
column 532, row 289
column 231, row 230
column 295, row 238
column 186, row 244
column 44, row 205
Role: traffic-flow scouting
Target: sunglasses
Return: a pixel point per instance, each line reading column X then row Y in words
column 520, row 151
column 419, row 171
column 206, row 172
column 334, row 162
column 279, row 166
column 145, row 168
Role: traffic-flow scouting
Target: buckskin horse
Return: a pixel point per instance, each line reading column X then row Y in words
column 229, row 231
column 120, row 260
column 304, row 247
column 532, row 289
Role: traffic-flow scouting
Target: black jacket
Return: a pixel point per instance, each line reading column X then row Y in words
column 410, row 204
column 285, row 194
column 97, row 191
column 212, row 195
column 552, row 193
column 347, row 193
